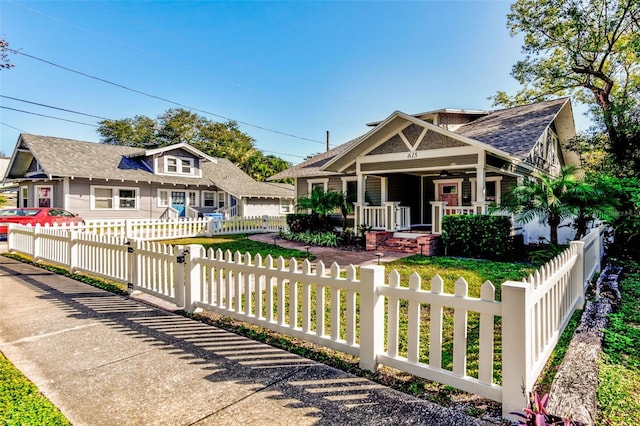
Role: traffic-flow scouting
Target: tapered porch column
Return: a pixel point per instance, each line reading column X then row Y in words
column 358, row 214
column 480, row 179
column 437, row 211
column 359, row 205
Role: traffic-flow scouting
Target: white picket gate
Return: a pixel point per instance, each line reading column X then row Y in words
column 323, row 306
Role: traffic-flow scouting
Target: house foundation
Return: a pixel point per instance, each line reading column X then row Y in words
column 404, row 242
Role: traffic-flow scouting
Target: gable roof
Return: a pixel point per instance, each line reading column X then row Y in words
column 312, row 167
column 514, row 130
column 511, row 131
column 59, row 157
column 181, row 145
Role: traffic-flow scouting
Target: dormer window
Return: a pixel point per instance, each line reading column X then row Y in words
column 177, row 165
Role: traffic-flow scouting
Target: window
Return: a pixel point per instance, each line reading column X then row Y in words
column 176, row 165
column 114, row 198
column 318, row 183
column 127, row 198
column 208, row 199
column 449, row 189
column 193, row 198
column 221, row 199
column 103, row 198
column 24, row 196
column 163, row 198
column 490, row 190
column 44, row 196
column 285, row 206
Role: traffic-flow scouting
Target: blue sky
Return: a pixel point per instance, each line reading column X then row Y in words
column 283, row 68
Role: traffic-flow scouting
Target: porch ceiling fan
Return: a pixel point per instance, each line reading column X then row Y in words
column 449, row 173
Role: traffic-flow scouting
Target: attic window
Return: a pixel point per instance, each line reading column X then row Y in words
column 177, row 165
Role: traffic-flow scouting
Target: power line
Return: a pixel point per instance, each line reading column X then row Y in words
column 52, row 107
column 14, row 128
column 48, row 116
column 87, row 124
column 163, row 99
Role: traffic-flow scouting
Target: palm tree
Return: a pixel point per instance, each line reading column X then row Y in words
column 593, row 198
column 546, row 198
column 320, row 202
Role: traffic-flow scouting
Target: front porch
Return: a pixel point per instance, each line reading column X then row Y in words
column 394, row 217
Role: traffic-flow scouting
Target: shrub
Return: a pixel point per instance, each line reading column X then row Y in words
column 308, row 222
column 479, row 236
column 326, row 239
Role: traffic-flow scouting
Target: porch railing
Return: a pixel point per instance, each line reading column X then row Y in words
column 389, row 217
column 440, row 209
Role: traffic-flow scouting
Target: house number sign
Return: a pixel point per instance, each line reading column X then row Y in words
column 412, row 155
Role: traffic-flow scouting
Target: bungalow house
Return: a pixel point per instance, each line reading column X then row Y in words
column 99, row 181
column 409, row 171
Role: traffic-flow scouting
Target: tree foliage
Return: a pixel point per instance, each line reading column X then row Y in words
column 320, row 202
column 4, row 54
column 224, row 140
column 589, row 49
column 553, row 199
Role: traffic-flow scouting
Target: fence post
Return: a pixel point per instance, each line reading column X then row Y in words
column 73, row 251
column 132, row 265
column 178, row 275
column 577, row 274
column 192, row 277
column 371, row 316
column 265, row 228
column 210, row 227
column 37, row 245
column 516, row 347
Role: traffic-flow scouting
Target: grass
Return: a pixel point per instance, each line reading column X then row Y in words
column 619, row 379
column 20, row 401
column 240, row 243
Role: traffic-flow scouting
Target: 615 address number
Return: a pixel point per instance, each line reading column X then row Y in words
column 412, row 155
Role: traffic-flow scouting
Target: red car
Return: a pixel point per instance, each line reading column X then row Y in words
column 36, row 215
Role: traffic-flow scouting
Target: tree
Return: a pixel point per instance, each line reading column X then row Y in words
column 320, row 202
column 224, row 140
column 4, row 54
column 545, row 197
column 586, row 48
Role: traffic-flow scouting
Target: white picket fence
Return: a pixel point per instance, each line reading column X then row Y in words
column 155, row 229
column 337, row 309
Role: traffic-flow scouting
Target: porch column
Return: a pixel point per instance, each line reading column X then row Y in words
column 390, row 215
column 437, row 212
column 358, row 214
column 362, row 186
column 480, row 207
column 480, row 179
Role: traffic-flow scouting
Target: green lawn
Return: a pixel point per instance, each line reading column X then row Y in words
column 240, row 243
column 619, row 380
column 20, row 401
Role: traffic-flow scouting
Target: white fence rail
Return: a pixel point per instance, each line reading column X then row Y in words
column 364, row 317
column 154, row 229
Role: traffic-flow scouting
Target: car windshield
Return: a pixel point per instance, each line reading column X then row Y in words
column 19, row 212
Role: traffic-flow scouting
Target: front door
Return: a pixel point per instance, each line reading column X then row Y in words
column 449, row 192
column 178, row 201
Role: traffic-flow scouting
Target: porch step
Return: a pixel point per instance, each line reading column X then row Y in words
column 427, row 244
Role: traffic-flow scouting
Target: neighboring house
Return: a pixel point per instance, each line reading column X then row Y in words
column 8, row 190
column 101, row 181
column 411, row 170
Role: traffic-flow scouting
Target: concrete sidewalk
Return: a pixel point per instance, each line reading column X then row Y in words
column 104, row 359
